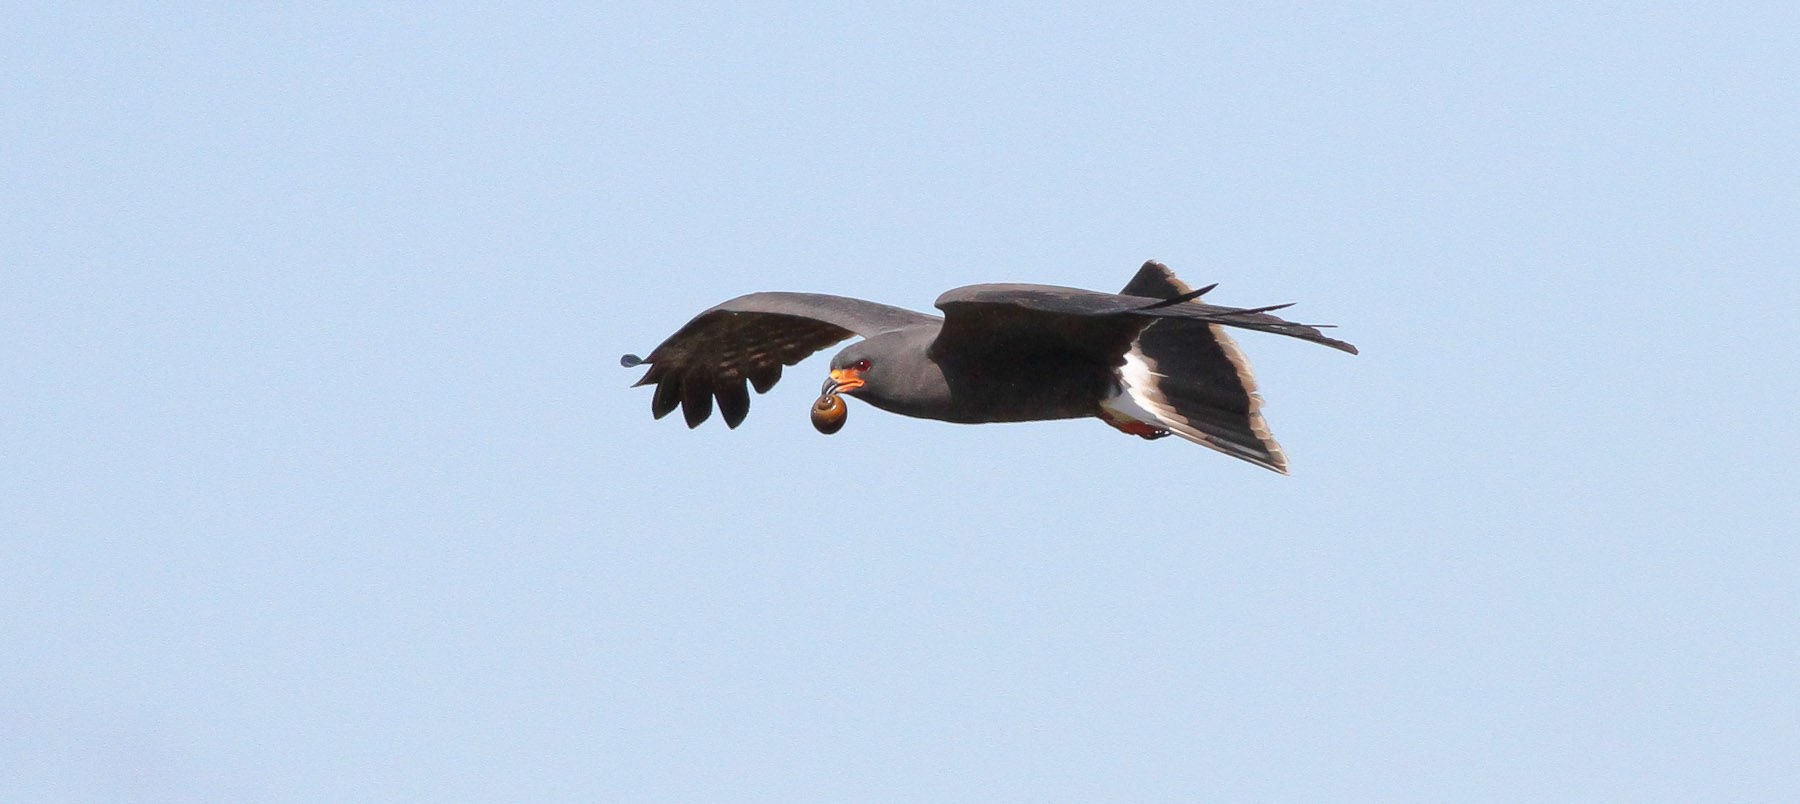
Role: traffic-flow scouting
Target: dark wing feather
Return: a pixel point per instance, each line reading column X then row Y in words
column 734, row 403
column 749, row 339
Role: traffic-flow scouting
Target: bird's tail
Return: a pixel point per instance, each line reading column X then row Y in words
column 1193, row 379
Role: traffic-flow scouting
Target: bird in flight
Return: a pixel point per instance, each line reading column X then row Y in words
column 1150, row 361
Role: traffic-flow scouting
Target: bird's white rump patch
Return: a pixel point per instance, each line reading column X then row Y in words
column 1136, row 379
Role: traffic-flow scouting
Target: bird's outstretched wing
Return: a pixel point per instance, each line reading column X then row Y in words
column 750, row 338
column 1073, row 317
column 1015, row 323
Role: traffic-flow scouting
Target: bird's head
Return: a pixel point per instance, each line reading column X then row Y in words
column 874, row 369
column 889, row 370
column 849, row 372
column 847, row 377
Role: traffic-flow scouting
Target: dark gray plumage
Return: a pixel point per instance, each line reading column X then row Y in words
column 1150, row 361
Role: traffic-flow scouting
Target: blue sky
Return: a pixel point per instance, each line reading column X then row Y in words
column 322, row 481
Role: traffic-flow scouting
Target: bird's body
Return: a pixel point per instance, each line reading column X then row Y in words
column 1001, row 383
column 1149, row 361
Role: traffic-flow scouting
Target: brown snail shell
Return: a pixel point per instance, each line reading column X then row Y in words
column 828, row 414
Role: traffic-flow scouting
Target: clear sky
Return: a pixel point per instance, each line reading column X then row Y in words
column 322, row 481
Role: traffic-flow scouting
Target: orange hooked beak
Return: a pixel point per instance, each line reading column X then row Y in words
column 844, row 379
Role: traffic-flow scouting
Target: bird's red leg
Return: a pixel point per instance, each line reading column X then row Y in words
column 1130, row 426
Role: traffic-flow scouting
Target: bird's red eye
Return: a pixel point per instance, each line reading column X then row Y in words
column 861, row 365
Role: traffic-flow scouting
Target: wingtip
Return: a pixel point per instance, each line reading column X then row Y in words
column 1179, row 299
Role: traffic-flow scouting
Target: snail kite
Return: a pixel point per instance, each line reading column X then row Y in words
column 1149, row 360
